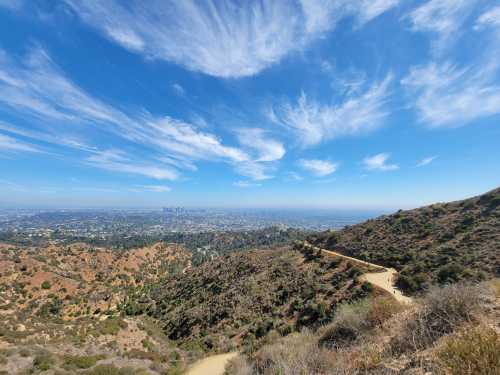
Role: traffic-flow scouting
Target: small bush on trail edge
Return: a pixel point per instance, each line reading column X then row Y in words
column 441, row 311
column 475, row 350
column 353, row 319
column 350, row 320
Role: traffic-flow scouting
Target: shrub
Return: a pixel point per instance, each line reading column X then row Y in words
column 475, row 350
column 111, row 326
column 43, row 362
column 45, row 285
column 351, row 319
column 81, row 362
column 239, row 366
column 297, row 353
column 441, row 311
column 383, row 308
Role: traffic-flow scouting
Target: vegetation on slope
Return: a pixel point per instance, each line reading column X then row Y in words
column 243, row 297
column 451, row 330
column 437, row 244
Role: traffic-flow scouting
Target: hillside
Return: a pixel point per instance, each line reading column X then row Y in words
column 241, row 298
column 451, row 331
column 59, row 310
column 436, row 244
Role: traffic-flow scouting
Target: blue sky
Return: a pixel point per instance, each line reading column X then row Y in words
column 306, row 103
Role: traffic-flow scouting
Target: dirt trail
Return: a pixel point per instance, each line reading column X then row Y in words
column 383, row 279
column 213, row 365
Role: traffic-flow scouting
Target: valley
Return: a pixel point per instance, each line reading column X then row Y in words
column 73, row 307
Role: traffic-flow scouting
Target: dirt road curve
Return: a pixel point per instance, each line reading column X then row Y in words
column 383, row 279
column 213, row 365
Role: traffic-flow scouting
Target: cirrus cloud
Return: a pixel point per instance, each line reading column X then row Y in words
column 221, row 38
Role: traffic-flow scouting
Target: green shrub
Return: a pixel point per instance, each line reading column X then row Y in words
column 472, row 351
column 43, row 362
column 351, row 319
column 45, row 285
column 81, row 362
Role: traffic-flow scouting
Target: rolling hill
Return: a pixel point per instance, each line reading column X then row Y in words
column 436, row 244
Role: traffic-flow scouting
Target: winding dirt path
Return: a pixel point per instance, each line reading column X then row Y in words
column 213, row 365
column 384, row 279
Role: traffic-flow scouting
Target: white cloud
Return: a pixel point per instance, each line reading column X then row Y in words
column 178, row 89
column 246, row 184
column 444, row 18
column 313, row 122
column 379, row 163
column 221, row 38
column 317, row 167
column 157, row 188
column 489, row 18
column 10, row 144
column 448, row 96
column 267, row 149
column 293, row 176
column 255, row 170
column 118, row 161
column 426, row 161
column 37, row 88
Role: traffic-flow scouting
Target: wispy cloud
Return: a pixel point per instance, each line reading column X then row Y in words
column 426, row 161
column 246, row 184
column 267, row 148
column 257, row 171
column 293, row 176
column 449, row 96
column 379, row 163
column 118, row 161
column 157, row 188
column 178, row 89
column 38, row 88
column 489, row 18
column 443, row 18
column 221, row 38
column 317, row 167
column 9, row 144
column 314, row 122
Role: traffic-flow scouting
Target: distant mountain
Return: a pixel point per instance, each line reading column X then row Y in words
column 440, row 243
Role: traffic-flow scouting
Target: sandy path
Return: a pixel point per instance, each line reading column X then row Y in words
column 213, row 365
column 384, row 279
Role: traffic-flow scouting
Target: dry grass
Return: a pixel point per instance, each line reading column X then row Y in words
column 440, row 311
column 296, row 354
column 472, row 351
column 354, row 320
